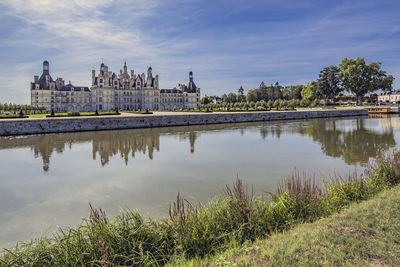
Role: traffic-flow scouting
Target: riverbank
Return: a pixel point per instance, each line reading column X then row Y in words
column 193, row 231
column 365, row 234
column 159, row 119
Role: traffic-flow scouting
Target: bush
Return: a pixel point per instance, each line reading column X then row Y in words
column 74, row 113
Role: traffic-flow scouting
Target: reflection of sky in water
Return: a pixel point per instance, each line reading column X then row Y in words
column 197, row 161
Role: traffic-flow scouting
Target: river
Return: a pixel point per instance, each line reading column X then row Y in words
column 47, row 181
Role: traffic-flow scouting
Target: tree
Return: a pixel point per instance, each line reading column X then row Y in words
column 241, row 91
column 270, row 104
column 329, row 83
column 225, row 98
column 241, row 98
column 252, row 96
column 309, row 92
column 206, row 100
column 359, row 78
column 232, row 98
column 277, row 92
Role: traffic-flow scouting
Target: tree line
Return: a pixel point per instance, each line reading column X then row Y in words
column 353, row 76
column 14, row 108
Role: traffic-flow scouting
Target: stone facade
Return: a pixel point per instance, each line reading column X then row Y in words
column 389, row 98
column 110, row 91
column 57, row 96
column 128, row 91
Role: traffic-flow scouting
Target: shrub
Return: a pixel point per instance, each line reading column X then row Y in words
column 74, row 113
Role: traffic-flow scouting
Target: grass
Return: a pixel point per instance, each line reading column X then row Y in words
column 38, row 115
column 77, row 114
column 195, row 231
column 365, row 234
column 13, row 116
column 138, row 112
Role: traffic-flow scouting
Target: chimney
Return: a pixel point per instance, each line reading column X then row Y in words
column 36, row 78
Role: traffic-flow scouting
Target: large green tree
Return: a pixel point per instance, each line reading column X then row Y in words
column 310, row 92
column 359, row 78
column 329, row 83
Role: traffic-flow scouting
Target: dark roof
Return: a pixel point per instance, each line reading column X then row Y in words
column 169, row 91
column 191, row 87
column 69, row 87
column 42, row 80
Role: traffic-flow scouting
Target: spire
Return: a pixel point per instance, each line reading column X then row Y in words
column 191, row 76
column 125, row 68
column 46, row 68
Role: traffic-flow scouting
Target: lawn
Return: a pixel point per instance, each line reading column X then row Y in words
column 365, row 234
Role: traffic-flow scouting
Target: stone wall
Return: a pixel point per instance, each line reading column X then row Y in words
column 59, row 125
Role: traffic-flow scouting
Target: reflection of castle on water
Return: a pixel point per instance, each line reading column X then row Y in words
column 108, row 144
column 105, row 144
column 348, row 139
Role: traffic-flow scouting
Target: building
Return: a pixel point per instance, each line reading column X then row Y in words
column 139, row 92
column 109, row 91
column 389, row 98
column 55, row 95
column 217, row 100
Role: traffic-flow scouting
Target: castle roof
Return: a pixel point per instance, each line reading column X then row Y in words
column 175, row 91
column 69, row 87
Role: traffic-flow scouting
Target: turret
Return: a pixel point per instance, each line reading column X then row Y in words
column 46, row 68
column 156, row 85
column 125, row 68
column 149, row 77
column 191, row 76
column 191, row 87
column 93, row 76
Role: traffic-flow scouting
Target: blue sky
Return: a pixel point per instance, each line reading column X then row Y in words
column 226, row 43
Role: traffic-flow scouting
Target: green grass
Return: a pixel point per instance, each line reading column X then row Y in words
column 42, row 115
column 12, row 116
column 194, row 231
column 138, row 112
column 78, row 114
column 365, row 234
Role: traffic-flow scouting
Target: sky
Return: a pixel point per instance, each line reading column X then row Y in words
column 226, row 43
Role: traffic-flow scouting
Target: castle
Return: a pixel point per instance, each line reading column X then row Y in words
column 110, row 92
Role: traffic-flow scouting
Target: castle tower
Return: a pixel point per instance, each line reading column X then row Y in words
column 46, row 69
column 191, row 76
column 149, row 77
column 125, row 68
column 93, row 76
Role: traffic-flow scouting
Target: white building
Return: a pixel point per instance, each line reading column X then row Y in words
column 57, row 96
column 139, row 92
column 389, row 98
column 110, row 92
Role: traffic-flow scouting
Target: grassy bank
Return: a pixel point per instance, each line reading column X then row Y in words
column 365, row 234
column 193, row 231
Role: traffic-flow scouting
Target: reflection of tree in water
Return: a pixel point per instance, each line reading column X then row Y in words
column 275, row 130
column 354, row 145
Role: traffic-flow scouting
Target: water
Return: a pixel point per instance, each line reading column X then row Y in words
column 49, row 180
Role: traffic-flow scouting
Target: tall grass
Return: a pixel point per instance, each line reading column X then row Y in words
column 232, row 218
